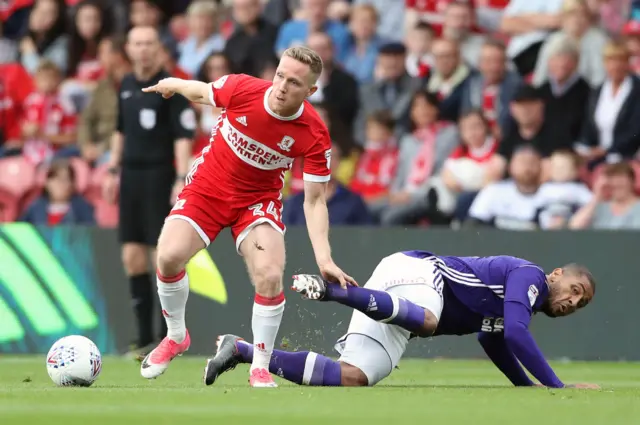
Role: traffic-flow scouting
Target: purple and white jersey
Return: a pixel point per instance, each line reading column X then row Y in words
column 475, row 290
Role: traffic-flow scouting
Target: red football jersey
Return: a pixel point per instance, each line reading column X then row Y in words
column 252, row 147
column 54, row 114
column 15, row 86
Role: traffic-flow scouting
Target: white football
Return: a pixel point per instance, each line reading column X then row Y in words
column 74, row 361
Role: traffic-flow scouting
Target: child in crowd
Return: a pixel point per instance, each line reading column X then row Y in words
column 563, row 194
column 376, row 167
column 49, row 124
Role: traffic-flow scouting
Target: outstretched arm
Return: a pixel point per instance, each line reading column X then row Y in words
column 194, row 91
column 500, row 354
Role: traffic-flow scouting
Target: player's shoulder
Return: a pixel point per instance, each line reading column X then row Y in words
column 248, row 81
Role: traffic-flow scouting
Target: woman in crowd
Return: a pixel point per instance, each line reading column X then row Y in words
column 422, row 154
column 613, row 114
column 45, row 37
column 614, row 205
column 468, row 168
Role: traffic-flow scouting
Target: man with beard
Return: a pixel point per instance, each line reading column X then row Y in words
column 420, row 294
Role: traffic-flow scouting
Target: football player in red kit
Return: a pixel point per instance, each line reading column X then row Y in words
column 236, row 182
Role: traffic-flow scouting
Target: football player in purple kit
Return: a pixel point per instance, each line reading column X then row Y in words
column 418, row 294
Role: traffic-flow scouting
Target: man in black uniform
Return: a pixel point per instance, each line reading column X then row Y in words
column 150, row 150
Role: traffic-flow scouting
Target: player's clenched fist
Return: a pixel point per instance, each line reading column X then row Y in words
column 167, row 87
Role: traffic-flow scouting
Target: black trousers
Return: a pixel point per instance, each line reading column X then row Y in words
column 144, row 203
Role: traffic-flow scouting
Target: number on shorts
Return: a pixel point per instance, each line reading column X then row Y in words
column 271, row 209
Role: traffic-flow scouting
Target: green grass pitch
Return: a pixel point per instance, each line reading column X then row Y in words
column 421, row 392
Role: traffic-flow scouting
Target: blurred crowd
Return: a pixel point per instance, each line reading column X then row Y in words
column 521, row 114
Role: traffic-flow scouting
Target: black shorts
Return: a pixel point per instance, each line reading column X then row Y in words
column 145, row 202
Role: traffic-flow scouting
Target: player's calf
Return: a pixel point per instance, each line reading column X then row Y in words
column 380, row 306
column 351, row 376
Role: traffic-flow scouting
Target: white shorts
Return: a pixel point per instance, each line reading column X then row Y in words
column 375, row 347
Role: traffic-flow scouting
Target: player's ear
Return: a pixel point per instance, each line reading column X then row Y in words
column 558, row 272
column 312, row 90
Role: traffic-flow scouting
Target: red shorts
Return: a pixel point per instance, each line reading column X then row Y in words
column 209, row 215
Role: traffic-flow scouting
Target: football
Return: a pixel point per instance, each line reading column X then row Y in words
column 74, row 361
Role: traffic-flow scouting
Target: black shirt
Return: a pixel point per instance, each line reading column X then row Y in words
column 151, row 124
column 249, row 52
column 545, row 141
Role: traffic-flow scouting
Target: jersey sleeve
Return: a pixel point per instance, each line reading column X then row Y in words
column 523, row 287
column 183, row 118
column 222, row 90
column 317, row 161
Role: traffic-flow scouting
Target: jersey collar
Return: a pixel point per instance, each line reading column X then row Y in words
column 280, row 117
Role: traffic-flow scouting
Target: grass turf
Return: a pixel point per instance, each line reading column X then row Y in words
column 429, row 392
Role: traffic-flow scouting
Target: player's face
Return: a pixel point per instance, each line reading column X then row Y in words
column 291, row 85
column 567, row 293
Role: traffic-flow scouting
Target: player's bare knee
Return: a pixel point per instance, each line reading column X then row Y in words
column 267, row 279
column 171, row 258
column 429, row 325
column 352, row 376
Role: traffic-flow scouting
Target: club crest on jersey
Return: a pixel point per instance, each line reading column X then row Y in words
column 286, row 143
column 147, row 119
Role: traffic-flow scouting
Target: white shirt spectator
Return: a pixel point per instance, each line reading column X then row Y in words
column 520, row 43
column 608, row 108
column 506, row 207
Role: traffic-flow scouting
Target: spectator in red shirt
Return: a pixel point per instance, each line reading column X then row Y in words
column 430, row 11
column 468, row 169
column 49, row 125
column 15, row 86
column 377, row 164
column 59, row 202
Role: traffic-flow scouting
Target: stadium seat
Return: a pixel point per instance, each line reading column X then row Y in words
column 106, row 214
column 94, row 188
column 17, row 180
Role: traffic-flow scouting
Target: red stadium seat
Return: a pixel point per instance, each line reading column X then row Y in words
column 17, row 180
column 106, row 214
column 94, row 189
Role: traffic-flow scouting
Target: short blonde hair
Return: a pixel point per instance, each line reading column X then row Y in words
column 306, row 56
column 573, row 5
column 366, row 8
column 616, row 48
column 564, row 45
column 202, row 7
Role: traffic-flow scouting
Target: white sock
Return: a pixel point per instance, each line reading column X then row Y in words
column 267, row 315
column 173, row 292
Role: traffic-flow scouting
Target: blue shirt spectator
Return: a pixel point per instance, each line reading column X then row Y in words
column 296, row 32
column 203, row 36
column 361, row 63
column 345, row 208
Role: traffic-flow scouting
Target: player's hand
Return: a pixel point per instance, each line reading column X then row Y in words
column 584, row 386
column 332, row 273
column 165, row 87
column 175, row 191
column 110, row 188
